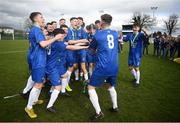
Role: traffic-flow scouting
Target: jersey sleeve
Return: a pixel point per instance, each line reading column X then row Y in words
column 39, row 36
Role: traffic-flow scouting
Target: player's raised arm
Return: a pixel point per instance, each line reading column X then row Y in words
column 50, row 41
column 71, row 42
column 76, row 47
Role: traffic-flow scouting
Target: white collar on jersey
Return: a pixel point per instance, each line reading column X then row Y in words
column 109, row 27
column 71, row 28
column 36, row 25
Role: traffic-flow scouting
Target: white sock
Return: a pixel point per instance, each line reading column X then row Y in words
column 53, row 98
column 38, row 93
column 64, row 84
column 133, row 73
column 76, row 74
column 94, row 100
column 33, row 96
column 29, row 85
column 113, row 95
column 69, row 75
column 137, row 76
column 86, row 76
column 90, row 71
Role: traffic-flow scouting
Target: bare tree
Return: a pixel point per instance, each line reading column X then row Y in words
column 171, row 23
column 143, row 20
column 27, row 25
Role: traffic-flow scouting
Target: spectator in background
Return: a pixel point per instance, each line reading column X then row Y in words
column 171, row 42
column 163, row 47
column 54, row 24
column 178, row 45
column 120, row 43
column 156, row 43
column 174, row 48
column 62, row 21
column 165, row 34
column 154, row 35
column 98, row 24
column 145, row 43
column 167, row 45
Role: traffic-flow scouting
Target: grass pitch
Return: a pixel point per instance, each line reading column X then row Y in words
column 157, row 98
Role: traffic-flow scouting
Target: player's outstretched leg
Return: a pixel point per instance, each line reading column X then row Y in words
column 68, row 88
column 28, row 87
column 137, row 76
column 95, row 102
column 133, row 71
column 83, row 66
column 76, row 72
column 53, row 98
column 113, row 96
column 33, row 99
column 63, row 89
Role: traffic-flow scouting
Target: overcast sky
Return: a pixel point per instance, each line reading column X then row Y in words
column 14, row 12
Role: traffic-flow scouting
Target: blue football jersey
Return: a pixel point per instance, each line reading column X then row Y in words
column 105, row 42
column 76, row 34
column 36, row 54
column 57, row 55
column 135, row 43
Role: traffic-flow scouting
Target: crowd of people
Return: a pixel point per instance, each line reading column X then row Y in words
column 90, row 52
column 166, row 46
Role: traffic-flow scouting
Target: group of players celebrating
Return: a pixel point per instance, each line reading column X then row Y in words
column 55, row 53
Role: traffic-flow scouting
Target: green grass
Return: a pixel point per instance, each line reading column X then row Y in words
column 157, row 99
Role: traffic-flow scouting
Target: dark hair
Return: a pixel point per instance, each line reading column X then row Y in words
column 63, row 26
column 58, row 31
column 106, row 18
column 97, row 21
column 91, row 26
column 53, row 22
column 88, row 27
column 136, row 25
column 33, row 15
column 73, row 18
column 62, row 19
column 48, row 24
column 80, row 18
column 83, row 25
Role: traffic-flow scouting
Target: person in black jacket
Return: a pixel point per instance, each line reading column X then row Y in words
column 145, row 43
column 178, row 45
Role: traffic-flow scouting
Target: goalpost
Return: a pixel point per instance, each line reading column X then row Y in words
column 7, row 31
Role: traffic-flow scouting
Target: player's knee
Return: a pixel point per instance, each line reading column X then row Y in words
column 111, row 88
column 91, row 65
column 90, row 87
column 38, row 85
column 58, row 87
column 75, row 66
column 70, row 69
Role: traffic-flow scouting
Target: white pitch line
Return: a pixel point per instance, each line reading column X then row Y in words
column 7, row 97
column 10, row 52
